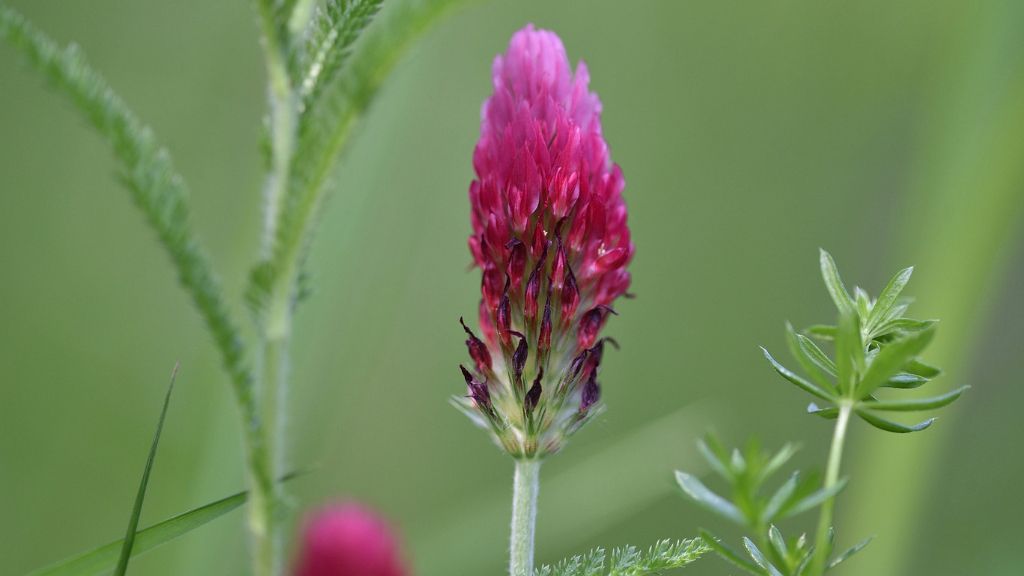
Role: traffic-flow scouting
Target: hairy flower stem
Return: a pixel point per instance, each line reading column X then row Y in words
column 822, row 546
column 525, row 486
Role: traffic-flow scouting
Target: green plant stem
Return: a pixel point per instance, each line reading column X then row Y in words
column 266, row 452
column 525, row 486
column 822, row 546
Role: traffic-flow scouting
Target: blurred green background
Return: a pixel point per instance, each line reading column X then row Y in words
column 750, row 133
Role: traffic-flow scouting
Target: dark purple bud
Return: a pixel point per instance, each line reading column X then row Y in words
column 590, row 326
column 591, row 393
column 503, row 317
column 532, row 294
column 477, row 350
column 533, row 396
column 570, row 296
column 519, row 357
column 544, row 338
column 477, row 390
column 597, row 352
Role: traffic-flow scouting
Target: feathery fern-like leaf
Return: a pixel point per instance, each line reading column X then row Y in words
column 335, row 28
column 147, row 172
column 322, row 134
column 630, row 560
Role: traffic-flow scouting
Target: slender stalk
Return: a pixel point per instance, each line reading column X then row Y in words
column 525, row 486
column 822, row 547
column 266, row 435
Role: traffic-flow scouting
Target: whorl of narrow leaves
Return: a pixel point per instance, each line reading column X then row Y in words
column 630, row 560
column 875, row 347
column 749, row 503
column 147, row 172
column 323, row 129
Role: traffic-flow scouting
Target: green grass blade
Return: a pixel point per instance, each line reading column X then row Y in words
column 104, row 559
column 147, row 172
column 140, row 497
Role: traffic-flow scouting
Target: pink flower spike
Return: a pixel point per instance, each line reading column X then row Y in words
column 348, row 540
column 549, row 234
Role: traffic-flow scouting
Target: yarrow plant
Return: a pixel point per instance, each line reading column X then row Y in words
column 550, row 237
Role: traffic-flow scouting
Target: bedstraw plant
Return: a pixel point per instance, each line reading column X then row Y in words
column 875, row 357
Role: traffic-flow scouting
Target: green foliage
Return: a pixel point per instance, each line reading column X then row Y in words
column 630, row 560
column 334, row 30
column 875, row 347
column 757, row 509
column 104, row 559
column 323, row 128
column 749, row 504
column 133, row 522
column 147, row 172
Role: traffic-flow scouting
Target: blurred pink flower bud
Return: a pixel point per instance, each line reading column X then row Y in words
column 348, row 540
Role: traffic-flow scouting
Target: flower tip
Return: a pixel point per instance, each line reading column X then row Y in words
column 348, row 539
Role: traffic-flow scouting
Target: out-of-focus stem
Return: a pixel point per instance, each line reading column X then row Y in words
column 822, row 547
column 525, row 486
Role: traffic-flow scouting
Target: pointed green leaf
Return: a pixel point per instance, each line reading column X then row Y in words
column 892, row 358
column 834, row 284
column 780, row 498
column 800, row 382
column 822, row 332
column 849, row 352
column 759, row 558
column 133, row 521
column 826, row 412
column 849, row 552
column 811, row 358
column 863, row 302
column 815, row 499
column 700, row 494
column 919, row 368
column 778, row 542
column 887, row 299
column 905, row 381
column 714, row 454
column 778, row 460
column 729, row 554
column 917, row 404
column 888, row 426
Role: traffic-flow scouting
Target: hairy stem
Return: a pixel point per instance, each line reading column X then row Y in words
column 525, row 486
column 266, row 452
column 822, row 547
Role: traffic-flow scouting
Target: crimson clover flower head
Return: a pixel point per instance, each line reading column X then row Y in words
column 348, row 540
column 551, row 239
